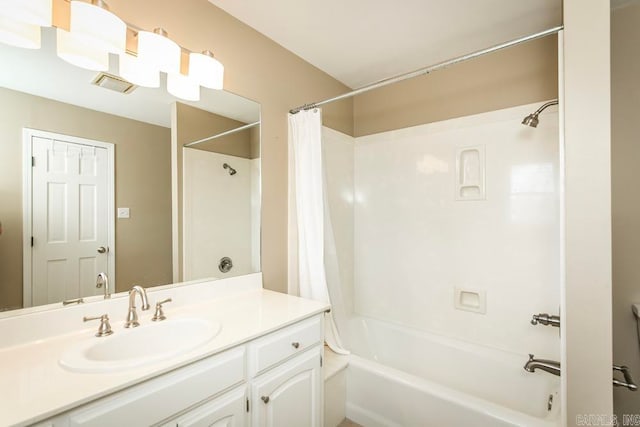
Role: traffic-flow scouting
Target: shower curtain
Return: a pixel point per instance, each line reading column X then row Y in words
column 307, row 275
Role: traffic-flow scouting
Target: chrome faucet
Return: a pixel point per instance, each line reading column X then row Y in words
column 101, row 281
column 132, row 315
column 546, row 319
column 550, row 366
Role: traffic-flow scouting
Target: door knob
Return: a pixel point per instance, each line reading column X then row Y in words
column 265, row 399
column 102, row 250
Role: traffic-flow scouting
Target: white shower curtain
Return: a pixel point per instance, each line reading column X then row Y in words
column 307, row 275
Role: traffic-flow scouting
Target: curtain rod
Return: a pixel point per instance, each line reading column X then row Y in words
column 429, row 69
column 220, row 135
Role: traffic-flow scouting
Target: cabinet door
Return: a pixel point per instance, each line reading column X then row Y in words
column 59, row 421
column 228, row 410
column 165, row 396
column 290, row 395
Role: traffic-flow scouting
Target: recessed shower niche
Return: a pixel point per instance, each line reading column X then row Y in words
column 470, row 173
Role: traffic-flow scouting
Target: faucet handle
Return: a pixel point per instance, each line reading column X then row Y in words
column 546, row 319
column 105, row 327
column 159, row 314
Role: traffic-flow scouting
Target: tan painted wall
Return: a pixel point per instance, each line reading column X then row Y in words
column 519, row 75
column 196, row 124
column 260, row 69
column 625, row 154
column 143, row 243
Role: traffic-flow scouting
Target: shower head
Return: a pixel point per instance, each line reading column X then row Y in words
column 532, row 119
column 232, row 171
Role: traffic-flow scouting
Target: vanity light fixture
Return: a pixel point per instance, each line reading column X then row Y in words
column 138, row 72
column 183, row 87
column 87, row 33
column 94, row 32
column 158, row 51
column 20, row 22
column 99, row 28
column 19, row 34
column 34, row 12
column 78, row 52
column 206, row 70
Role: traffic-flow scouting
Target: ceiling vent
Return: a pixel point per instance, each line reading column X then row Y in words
column 115, row 83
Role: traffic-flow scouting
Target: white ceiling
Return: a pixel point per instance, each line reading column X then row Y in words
column 42, row 73
column 362, row 41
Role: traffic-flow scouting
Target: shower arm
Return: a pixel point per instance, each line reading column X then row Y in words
column 545, row 105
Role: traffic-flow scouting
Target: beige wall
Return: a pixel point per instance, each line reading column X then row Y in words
column 143, row 243
column 196, row 124
column 259, row 69
column 625, row 154
column 515, row 76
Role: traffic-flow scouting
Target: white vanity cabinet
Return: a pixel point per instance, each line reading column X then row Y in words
column 290, row 395
column 228, row 410
column 272, row 380
column 160, row 398
column 286, row 365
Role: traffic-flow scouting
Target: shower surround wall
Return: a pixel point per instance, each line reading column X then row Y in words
column 413, row 243
column 221, row 213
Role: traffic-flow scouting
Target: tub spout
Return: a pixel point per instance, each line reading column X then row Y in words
column 550, row 366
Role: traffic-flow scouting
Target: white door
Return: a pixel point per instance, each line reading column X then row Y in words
column 70, row 221
column 289, row 396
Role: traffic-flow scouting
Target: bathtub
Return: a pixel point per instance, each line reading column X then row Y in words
column 403, row 377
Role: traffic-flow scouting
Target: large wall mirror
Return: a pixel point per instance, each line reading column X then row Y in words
column 138, row 185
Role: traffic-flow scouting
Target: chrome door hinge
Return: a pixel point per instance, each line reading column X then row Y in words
column 247, row 404
column 321, row 361
column 33, row 161
column 31, row 241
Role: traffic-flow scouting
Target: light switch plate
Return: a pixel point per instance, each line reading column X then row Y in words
column 123, row 213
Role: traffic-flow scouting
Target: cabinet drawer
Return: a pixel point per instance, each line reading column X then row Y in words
column 228, row 410
column 280, row 345
column 164, row 396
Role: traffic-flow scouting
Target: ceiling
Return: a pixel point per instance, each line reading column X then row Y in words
column 42, row 73
column 363, row 41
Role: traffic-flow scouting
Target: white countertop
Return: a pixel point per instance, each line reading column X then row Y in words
column 35, row 387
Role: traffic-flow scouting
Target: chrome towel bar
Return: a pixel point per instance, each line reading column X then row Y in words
column 628, row 381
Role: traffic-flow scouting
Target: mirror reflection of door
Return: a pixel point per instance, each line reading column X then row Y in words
column 71, row 198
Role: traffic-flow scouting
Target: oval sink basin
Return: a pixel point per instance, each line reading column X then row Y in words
column 130, row 348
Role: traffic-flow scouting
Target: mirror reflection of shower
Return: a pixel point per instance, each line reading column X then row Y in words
column 532, row 119
column 231, row 170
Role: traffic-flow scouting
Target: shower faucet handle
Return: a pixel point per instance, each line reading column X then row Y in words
column 546, row 319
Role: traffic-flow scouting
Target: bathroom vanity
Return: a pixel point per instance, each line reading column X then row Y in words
column 261, row 367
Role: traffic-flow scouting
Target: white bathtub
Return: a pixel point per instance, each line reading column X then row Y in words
column 403, row 377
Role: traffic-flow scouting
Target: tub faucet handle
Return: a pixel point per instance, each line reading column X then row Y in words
column 546, row 319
